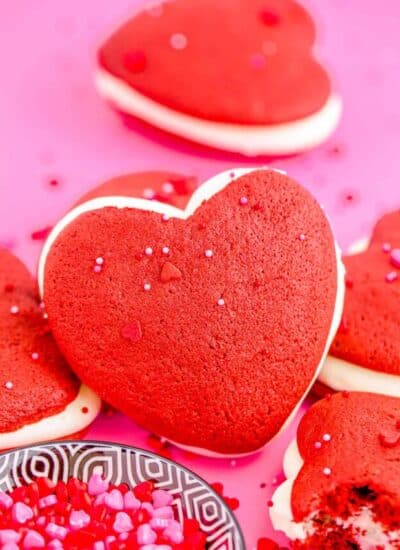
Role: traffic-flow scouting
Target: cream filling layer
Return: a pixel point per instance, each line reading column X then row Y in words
column 201, row 194
column 250, row 140
column 341, row 375
column 67, row 422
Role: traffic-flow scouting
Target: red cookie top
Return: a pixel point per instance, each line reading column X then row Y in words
column 35, row 381
column 231, row 61
column 356, row 460
column 369, row 335
column 209, row 330
column 167, row 187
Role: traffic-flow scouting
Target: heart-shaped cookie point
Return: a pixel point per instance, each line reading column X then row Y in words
column 40, row 397
column 365, row 355
column 233, row 336
column 222, row 74
column 346, row 489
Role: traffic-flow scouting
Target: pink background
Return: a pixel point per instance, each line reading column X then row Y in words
column 54, row 126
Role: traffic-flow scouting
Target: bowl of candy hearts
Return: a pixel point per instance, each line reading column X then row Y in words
column 98, row 496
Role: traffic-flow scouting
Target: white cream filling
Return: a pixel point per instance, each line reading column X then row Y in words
column 202, row 193
column 67, row 422
column 275, row 139
column 340, row 374
column 371, row 533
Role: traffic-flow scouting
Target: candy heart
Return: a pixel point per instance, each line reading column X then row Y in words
column 97, row 485
column 40, row 398
column 238, row 75
column 365, row 355
column 227, row 352
column 122, row 523
column 21, row 513
column 33, row 539
column 343, row 486
column 114, row 500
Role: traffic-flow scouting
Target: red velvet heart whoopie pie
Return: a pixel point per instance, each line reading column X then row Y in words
column 205, row 325
column 238, row 75
column 365, row 355
column 168, row 187
column 40, row 397
column 343, row 470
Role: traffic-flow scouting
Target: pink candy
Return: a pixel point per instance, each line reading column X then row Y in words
column 395, row 257
column 33, row 539
column 114, row 500
column 51, row 500
column 174, row 532
column 21, row 513
column 78, row 519
column 5, row 501
column 161, row 498
column 131, row 502
column 9, row 535
column 97, row 485
column 165, row 512
column 122, row 523
column 146, row 535
column 56, row 531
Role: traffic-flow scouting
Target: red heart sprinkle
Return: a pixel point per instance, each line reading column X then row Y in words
column 170, row 273
column 269, row 17
column 133, row 331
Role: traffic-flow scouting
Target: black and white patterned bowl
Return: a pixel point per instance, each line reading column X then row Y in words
column 193, row 497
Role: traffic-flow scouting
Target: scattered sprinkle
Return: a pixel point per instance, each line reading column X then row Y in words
column 326, row 471
column 208, row 253
column 167, row 188
column 257, row 61
column 97, row 268
column 391, row 277
column 84, row 410
column 35, row 356
column 233, row 463
column 178, row 41
column 270, row 504
column 41, row 234
column 165, row 217
column 148, row 193
column 147, row 287
column 221, row 302
column 395, row 257
column 148, row 251
column 165, row 250
column 243, row 201
column 54, row 182
column 302, row 237
column 348, row 281
column 327, row 437
column 9, row 385
column 99, row 260
column 14, row 310
column 9, row 287
column 318, row 444
column 386, row 247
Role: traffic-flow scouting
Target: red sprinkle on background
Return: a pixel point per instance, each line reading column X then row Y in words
column 269, row 17
column 41, row 234
column 170, row 273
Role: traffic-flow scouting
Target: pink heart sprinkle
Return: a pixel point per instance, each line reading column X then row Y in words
column 33, row 539
column 5, row 501
column 164, row 512
column 174, row 532
column 395, row 257
column 161, row 498
column 131, row 502
column 122, row 523
column 78, row 519
column 145, row 534
column 9, row 535
column 97, row 485
column 114, row 500
column 21, row 513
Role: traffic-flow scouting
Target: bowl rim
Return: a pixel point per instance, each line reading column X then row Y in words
column 95, row 442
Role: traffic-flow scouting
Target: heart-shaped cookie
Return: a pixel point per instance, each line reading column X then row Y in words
column 365, row 355
column 40, row 397
column 168, row 187
column 238, row 75
column 343, row 470
column 207, row 326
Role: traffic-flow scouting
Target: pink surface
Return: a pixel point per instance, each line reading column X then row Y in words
column 54, row 126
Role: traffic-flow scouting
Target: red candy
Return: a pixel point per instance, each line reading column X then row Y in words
column 78, row 516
